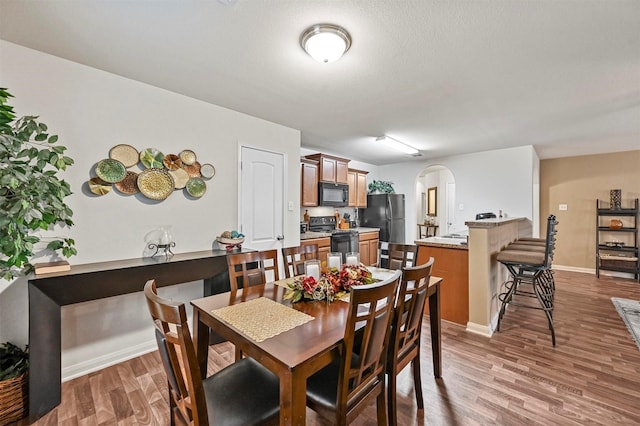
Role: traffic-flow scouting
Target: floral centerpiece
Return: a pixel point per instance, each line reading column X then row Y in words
column 333, row 284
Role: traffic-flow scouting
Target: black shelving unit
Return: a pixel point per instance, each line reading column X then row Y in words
column 617, row 248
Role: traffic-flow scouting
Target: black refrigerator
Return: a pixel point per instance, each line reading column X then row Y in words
column 385, row 211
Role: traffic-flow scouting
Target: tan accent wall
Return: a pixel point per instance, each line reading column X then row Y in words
column 578, row 182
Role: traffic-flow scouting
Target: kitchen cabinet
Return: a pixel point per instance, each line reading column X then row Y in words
column 309, row 182
column 357, row 180
column 324, row 247
column 617, row 239
column 332, row 169
column 452, row 265
column 368, row 248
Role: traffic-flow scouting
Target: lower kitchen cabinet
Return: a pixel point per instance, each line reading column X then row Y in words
column 368, row 246
column 452, row 265
column 324, row 247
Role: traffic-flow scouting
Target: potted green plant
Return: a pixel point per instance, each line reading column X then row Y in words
column 14, row 364
column 31, row 191
column 381, row 187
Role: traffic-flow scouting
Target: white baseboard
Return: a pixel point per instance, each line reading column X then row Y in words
column 574, row 269
column 107, row 360
column 482, row 330
column 592, row 271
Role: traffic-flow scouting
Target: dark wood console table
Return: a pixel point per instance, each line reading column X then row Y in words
column 48, row 292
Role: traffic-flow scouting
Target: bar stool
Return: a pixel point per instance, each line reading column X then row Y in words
column 529, row 265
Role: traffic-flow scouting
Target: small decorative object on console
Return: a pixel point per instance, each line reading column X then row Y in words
column 230, row 239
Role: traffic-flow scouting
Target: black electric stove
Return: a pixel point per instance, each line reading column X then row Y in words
column 342, row 240
column 322, row 223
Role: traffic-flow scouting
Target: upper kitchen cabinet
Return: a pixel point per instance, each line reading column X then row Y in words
column 357, row 180
column 332, row 169
column 309, row 182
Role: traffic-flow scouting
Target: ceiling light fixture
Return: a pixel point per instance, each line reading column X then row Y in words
column 325, row 42
column 396, row 144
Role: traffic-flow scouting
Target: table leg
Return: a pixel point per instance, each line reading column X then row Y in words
column 293, row 399
column 200, row 341
column 434, row 320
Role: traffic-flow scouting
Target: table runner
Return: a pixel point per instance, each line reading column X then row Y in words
column 262, row 318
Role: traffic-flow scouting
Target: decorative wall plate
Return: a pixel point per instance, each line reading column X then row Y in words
column 180, row 178
column 126, row 154
column 128, row 185
column 192, row 169
column 207, row 171
column 196, row 187
column 172, row 162
column 188, row 157
column 111, row 171
column 98, row 186
column 155, row 184
column 152, row 158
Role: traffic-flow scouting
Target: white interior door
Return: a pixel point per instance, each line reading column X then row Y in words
column 262, row 198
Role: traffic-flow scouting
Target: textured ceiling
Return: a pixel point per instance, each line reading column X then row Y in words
column 447, row 77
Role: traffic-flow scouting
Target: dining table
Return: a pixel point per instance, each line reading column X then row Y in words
column 307, row 338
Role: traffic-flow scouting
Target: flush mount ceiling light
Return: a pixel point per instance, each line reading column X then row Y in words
column 325, row 42
column 397, row 145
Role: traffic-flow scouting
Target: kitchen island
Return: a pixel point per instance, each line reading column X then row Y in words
column 452, row 265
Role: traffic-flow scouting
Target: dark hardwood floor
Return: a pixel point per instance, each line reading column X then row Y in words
column 516, row 377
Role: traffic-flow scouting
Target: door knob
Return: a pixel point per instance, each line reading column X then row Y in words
column 280, row 237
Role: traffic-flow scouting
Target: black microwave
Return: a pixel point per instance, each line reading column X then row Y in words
column 333, row 194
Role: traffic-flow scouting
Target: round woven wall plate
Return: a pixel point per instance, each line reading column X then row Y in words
column 196, row 187
column 188, row 157
column 207, row 171
column 111, row 171
column 180, row 178
column 152, row 158
column 126, row 154
column 98, row 186
column 128, row 185
column 155, row 184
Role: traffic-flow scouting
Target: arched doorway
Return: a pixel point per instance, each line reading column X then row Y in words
column 435, row 195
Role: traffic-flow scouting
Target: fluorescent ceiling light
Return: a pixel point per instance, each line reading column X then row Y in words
column 325, row 42
column 397, row 145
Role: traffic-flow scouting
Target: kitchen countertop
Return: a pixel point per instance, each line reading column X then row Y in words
column 452, row 243
column 309, row 235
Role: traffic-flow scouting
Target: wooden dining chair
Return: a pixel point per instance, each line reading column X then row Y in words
column 244, row 393
column 251, row 268
column 294, row 258
column 340, row 391
column 404, row 347
column 401, row 255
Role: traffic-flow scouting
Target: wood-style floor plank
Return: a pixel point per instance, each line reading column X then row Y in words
column 515, row 377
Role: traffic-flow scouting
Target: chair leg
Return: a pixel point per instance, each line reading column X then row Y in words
column 417, row 381
column 391, row 397
column 381, row 405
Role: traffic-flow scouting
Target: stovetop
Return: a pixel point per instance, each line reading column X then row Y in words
column 322, row 223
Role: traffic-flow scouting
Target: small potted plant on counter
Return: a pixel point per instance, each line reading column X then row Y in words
column 14, row 364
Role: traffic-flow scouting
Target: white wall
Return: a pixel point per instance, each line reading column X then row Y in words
column 92, row 111
column 485, row 182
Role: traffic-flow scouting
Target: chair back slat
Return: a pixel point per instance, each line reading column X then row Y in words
column 294, row 258
column 402, row 255
column 252, row 268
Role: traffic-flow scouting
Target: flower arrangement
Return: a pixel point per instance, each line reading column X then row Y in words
column 332, row 285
